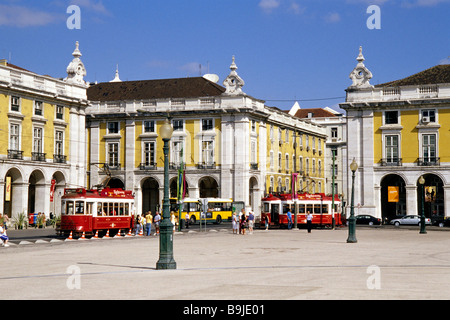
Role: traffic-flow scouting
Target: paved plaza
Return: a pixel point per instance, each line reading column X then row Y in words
column 385, row 263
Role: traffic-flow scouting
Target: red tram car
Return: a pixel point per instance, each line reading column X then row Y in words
column 275, row 208
column 90, row 211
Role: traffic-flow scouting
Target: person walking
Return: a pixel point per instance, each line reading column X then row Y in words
column 4, row 236
column 157, row 220
column 138, row 225
column 251, row 222
column 186, row 220
column 235, row 222
column 289, row 218
column 309, row 221
column 243, row 223
column 149, row 220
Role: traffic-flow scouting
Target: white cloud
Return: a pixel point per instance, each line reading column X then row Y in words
column 445, row 61
column 269, row 5
column 95, row 6
column 423, row 3
column 296, row 8
column 20, row 16
column 333, row 17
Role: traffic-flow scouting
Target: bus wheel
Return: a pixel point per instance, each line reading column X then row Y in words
column 219, row 219
column 192, row 220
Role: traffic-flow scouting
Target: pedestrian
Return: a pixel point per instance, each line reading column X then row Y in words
column 289, row 218
column 242, row 213
column 156, row 221
column 309, row 221
column 173, row 220
column 243, row 223
column 251, row 220
column 138, row 224
column 266, row 221
column 5, row 221
column 235, row 223
column 148, row 221
column 4, row 237
column 186, row 220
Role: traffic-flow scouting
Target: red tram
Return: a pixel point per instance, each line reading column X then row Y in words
column 90, row 211
column 275, row 208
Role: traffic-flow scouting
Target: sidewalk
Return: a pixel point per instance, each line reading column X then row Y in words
column 275, row 264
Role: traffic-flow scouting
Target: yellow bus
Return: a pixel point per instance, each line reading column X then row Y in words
column 219, row 209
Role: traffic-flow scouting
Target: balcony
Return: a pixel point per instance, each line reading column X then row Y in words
column 391, row 162
column 38, row 156
column 203, row 165
column 429, row 161
column 176, row 166
column 112, row 166
column 147, row 166
column 15, row 154
column 59, row 158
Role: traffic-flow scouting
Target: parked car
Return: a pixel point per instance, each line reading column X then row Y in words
column 367, row 219
column 440, row 221
column 409, row 220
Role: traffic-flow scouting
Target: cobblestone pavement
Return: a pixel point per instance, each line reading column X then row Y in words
column 218, row 265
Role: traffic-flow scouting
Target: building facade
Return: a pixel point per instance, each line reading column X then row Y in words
column 42, row 137
column 397, row 132
column 230, row 144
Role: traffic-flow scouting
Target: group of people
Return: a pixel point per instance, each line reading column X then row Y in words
column 242, row 222
column 308, row 220
column 144, row 223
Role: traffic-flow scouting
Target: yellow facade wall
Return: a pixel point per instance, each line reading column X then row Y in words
column 409, row 136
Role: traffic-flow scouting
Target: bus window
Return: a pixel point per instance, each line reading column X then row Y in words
column 69, row 207
column 127, row 209
column 309, row 208
column 79, row 207
column 89, row 206
column 301, row 208
column 227, row 206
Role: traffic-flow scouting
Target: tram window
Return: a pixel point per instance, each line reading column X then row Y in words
column 127, row 209
column 89, row 206
column 325, row 208
column 317, row 208
column 79, row 207
column 266, row 207
column 286, row 208
column 69, row 207
column 116, row 209
column 301, row 208
column 105, row 208
column 121, row 209
column 99, row 209
column 309, row 207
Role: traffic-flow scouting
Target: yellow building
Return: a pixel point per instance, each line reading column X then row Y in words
column 227, row 141
column 397, row 132
column 41, row 137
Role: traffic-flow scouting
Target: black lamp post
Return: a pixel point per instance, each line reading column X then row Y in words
column 422, row 213
column 166, row 260
column 352, row 221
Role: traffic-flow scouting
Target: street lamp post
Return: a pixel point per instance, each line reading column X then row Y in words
column 352, row 221
column 166, row 260
column 422, row 213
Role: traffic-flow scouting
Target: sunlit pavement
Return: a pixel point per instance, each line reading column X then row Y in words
column 385, row 263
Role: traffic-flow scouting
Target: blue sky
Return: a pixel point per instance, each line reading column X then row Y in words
column 286, row 50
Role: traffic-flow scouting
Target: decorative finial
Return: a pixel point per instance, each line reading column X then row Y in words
column 116, row 79
column 360, row 75
column 76, row 70
column 233, row 83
